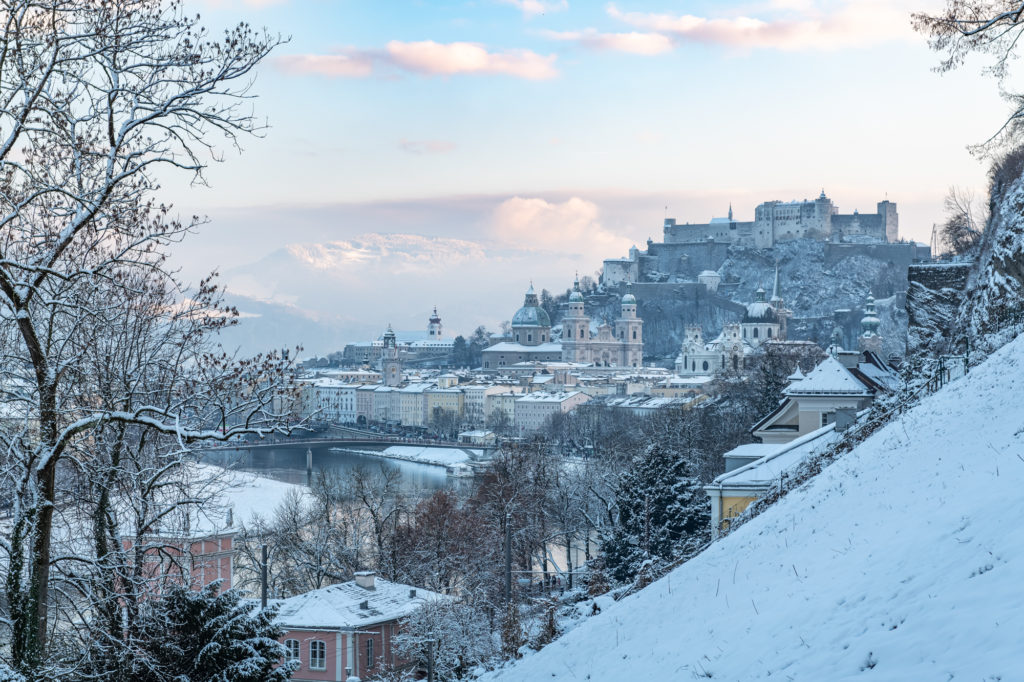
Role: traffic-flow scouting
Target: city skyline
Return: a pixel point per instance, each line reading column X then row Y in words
column 502, row 141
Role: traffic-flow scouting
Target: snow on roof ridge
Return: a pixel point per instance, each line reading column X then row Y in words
column 828, row 377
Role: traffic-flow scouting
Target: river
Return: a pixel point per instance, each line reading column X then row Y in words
column 288, row 464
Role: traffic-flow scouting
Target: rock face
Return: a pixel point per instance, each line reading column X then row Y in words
column 995, row 290
column 934, row 294
column 815, row 279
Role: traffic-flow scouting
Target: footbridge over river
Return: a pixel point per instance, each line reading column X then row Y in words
column 343, row 437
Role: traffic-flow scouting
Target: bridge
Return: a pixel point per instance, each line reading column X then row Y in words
column 346, row 438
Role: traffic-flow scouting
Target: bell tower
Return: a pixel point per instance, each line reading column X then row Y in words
column 390, row 364
column 576, row 328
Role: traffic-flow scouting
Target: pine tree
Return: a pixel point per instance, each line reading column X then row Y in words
column 190, row 636
column 662, row 512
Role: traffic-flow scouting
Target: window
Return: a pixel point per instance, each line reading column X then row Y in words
column 769, row 332
column 317, row 655
column 705, row 365
column 529, row 338
column 369, row 653
column 292, row 647
column 755, row 332
column 634, row 335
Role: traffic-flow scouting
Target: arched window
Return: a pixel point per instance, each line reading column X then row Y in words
column 705, row 365
column 735, row 362
column 292, row 647
column 529, row 338
column 769, row 332
column 755, row 332
column 744, row 333
column 634, row 335
column 581, row 332
column 317, row 655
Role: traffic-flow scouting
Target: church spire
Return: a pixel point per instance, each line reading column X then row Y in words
column 730, row 210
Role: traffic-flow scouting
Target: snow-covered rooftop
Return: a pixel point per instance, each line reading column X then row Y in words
column 339, row 607
column 511, row 347
column 828, row 378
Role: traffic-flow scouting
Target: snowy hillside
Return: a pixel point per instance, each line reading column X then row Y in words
column 902, row 561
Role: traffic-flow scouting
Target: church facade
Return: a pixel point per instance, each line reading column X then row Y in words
column 609, row 345
column 763, row 321
column 621, row 345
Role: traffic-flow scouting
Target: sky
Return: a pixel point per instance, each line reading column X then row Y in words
column 448, row 153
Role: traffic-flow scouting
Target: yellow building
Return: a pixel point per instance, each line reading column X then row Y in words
column 754, row 469
column 448, row 399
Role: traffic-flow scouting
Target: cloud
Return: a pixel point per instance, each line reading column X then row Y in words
column 426, row 146
column 632, row 42
column 401, row 253
column 857, row 23
column 532, row 8
column 571, row 227
column 425, row 57
column 334, row 65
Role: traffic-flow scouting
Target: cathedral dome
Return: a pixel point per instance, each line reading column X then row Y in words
column 575, row 297
column 629, row 299
column 531, row 314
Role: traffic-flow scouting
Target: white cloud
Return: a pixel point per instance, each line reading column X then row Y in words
column 633, row 42
column 855, row 23
column 400, row 252
column 531, row 8
column 429, row 57
column 572, row 227
column 425, row 57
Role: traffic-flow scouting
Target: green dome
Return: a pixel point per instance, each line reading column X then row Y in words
column 575, row 297
column 629, row 299
column 531, row 316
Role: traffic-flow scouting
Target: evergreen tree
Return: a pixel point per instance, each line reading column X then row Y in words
column 190, row 636
column 663, row 512
column 460, row 352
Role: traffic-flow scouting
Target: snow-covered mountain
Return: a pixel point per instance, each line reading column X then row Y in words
column 901, row 561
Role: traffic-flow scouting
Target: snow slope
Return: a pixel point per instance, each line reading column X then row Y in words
column 901, row 561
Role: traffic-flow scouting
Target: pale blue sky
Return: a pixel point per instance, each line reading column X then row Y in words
column 626, row 106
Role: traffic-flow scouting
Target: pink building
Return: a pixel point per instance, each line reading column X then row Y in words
column 347, row 629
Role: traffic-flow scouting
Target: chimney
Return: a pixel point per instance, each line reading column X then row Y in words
column 412, row 594
column 365, row 579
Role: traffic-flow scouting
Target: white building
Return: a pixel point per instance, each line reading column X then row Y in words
column 334, row 401
column 534, row 409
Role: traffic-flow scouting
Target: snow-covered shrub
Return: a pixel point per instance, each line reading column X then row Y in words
column 458, row 635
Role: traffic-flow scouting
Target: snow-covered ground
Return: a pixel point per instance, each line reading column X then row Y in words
column 901, row 561
column 415, row 453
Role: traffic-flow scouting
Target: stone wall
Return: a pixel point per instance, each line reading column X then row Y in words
column 934, row 294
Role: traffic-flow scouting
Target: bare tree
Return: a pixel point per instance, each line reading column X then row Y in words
column 965, row 222
column 95, row 97
column 989, row 27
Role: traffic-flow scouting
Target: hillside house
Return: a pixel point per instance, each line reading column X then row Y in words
column 347, row 629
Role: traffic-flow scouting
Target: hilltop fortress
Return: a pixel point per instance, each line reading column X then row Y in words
column 687, row 249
